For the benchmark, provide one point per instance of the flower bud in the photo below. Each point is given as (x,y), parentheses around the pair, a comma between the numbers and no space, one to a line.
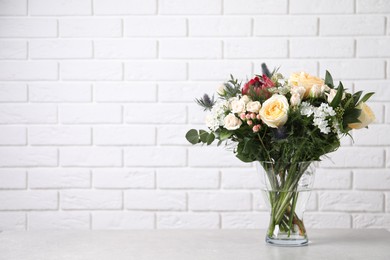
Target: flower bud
(249,122)
(221,90)
(315,91)
(295,100)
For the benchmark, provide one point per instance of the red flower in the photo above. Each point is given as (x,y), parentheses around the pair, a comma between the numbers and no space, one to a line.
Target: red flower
(258,87)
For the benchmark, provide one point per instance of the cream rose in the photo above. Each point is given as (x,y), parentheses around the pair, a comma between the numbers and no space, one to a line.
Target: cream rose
(231,122)
(366,117)
(253,106)
(305,80)
(237,106)
(274,111)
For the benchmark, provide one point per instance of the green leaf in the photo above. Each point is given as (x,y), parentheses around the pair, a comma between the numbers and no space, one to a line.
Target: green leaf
(329,79)
(192,136)
(203,136)
(339,95)
(366,97)
(210,138)
(243,158)
(357,96)
(224,134)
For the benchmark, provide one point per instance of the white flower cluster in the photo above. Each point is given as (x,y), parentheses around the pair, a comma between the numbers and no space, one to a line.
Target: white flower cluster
(215,119)
(320,114)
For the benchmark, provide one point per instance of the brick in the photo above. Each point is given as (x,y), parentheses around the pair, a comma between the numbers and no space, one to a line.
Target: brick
(374,135)
(245,220)
(371,221)
(324,47)
(31,70)
(321,6)
(387,202)
(382,92)
(28,157)
(125,49)
(58,220)
(240,179)
(255,48)
(155,113)
(124,135)
(90,27)
(219,201)
(12,179)
(13,92)
(373,47)
(123,178)
(372,179)
(190,48)
(187,178)
(184,91)
(58,178)
(155,26)
(60,92)
(124,7)
(372,6)
(155,156)
(90,114)
(378,110)
(312,202)
(285,25)
(327,220)
(255,7)
(60,49)
(13,50)
(59,135)
(352,201)
(155,200)
(122,220)
(190,7)
(28,114)
(28,27)
(220,26)
(354,69)
(91,70)
(187,221)
(13,135)
(173,134)
(12,221)
(90,199)
(28,200)
(155,70)
(205,157)
(218,70)
(287,67)
(125,92)
(333,179)
(355,157)
(60,7)
(352,25)
(13,7)
(87,157)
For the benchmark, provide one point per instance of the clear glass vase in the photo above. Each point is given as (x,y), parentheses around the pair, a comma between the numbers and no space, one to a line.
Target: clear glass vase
(286,188)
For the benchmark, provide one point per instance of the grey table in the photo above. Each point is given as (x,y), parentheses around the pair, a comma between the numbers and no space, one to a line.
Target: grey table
(183,245)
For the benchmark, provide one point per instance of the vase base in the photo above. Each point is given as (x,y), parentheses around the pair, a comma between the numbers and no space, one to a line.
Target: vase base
(286,242)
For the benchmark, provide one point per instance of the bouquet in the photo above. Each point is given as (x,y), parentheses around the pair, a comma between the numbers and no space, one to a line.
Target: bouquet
(282,122)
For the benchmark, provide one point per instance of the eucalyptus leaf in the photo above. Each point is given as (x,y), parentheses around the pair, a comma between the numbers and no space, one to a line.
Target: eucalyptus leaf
(329,79)
(210,138)
(203,136)
(192,136)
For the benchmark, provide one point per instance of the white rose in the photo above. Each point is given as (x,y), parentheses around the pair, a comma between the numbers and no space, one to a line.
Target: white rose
(221,90)
(253,106)
(298,90)
(237,106)
(295,99)
(245,98)
(274,111)
(315,91)
(231,122)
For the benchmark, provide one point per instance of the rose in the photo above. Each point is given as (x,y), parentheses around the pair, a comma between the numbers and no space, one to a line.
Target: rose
(295,99)
(366,117)
(274,111)
(305,80)
(298,90)
(231,122)
(237,106)
(253,106)
(245,98)
(315,91)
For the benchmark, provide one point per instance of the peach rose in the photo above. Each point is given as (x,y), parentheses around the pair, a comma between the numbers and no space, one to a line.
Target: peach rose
(305,80)
(366,117)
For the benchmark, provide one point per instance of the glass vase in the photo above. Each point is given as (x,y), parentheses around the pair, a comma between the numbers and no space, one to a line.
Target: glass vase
(286,188)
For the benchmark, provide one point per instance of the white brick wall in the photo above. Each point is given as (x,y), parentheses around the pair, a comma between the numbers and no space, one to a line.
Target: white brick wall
(96,96)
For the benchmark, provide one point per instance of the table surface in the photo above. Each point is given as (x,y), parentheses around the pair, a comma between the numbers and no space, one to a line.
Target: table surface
(190,244)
